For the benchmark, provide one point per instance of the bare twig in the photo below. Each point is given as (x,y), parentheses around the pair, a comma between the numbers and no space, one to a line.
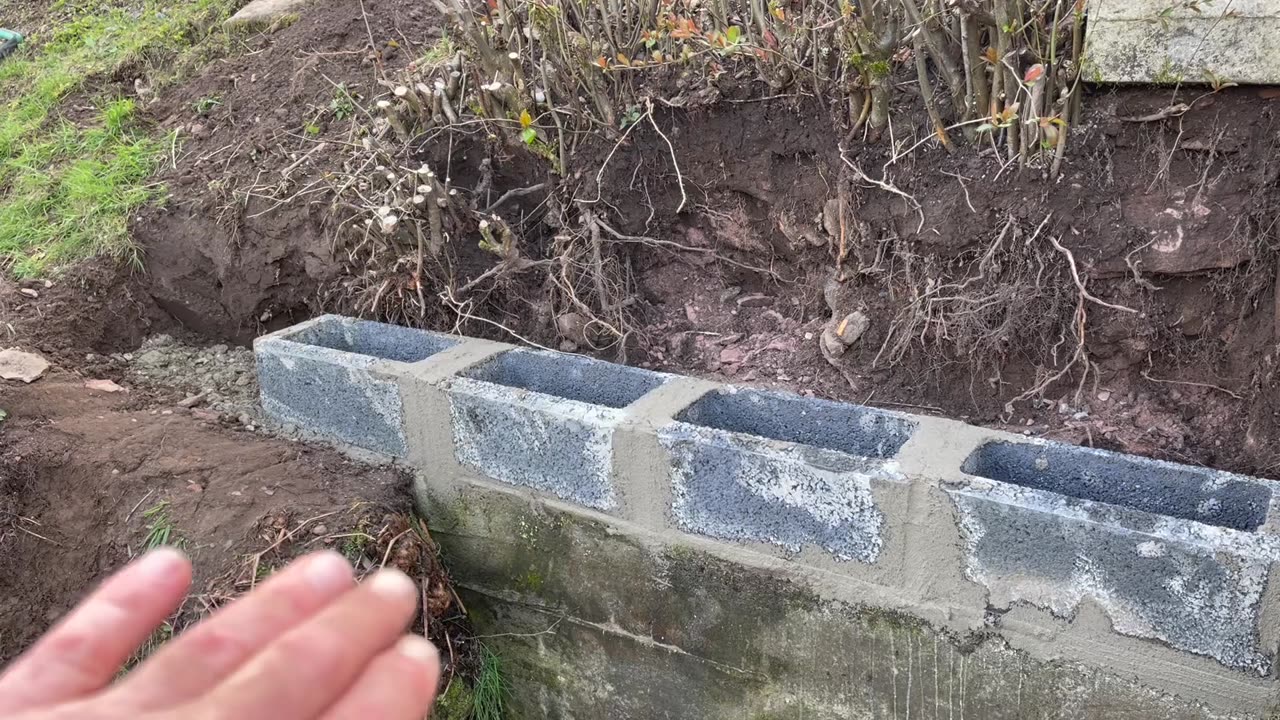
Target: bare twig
(1147,374)
(512,194)
(884,185)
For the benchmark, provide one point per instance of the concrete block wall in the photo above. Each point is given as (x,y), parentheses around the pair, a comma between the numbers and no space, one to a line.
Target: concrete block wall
(1155,571)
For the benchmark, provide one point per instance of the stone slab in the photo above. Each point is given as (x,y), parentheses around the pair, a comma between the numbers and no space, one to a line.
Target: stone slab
(265,13)
(1167,42)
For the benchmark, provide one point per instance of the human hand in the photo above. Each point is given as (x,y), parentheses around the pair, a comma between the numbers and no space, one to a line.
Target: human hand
(308,644)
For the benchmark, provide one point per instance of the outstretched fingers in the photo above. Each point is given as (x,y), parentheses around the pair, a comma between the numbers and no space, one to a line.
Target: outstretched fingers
(306,670)
(204,656)
(400,684)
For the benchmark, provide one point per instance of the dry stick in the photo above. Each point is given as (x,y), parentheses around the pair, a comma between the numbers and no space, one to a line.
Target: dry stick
(128,517)
(257,557)
(688,248)
(1147,374)
(515,193)
(679,178)
(555,117)
(390,546)
(938,51)
(926,93)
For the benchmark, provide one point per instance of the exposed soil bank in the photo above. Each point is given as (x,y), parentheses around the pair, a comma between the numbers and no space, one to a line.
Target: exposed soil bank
(1169,219)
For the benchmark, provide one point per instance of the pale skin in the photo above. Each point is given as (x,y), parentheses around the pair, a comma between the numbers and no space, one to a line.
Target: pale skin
(308,644)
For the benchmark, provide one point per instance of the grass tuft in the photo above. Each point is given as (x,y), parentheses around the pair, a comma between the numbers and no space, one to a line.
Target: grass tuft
(160,531)
(489,695)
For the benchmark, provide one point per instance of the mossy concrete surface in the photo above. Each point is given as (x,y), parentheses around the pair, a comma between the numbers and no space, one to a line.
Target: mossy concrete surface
(673,548)
(1177,42)
(593,621)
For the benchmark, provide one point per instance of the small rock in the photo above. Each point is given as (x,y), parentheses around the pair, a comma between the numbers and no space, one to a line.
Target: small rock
(729,293)
(244,419)
(191,401)
(733,355)
(104,386)
(166,412)
(1105,395)
(24,366)
(755,300)
(199,131)
(115,472)
(852,327)
(242,381)
(206,415)
(319,530)
(218,349)
(29,292)
(830,344)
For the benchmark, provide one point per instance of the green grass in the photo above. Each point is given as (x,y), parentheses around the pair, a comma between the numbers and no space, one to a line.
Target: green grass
(160,530)
(67,189)
(489,695)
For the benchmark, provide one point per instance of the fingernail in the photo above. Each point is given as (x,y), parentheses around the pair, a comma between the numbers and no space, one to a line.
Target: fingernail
(161,563)
(328,573)
(393,585)
(417,648)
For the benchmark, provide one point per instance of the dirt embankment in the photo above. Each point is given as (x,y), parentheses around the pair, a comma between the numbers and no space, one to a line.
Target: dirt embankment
(1130,304)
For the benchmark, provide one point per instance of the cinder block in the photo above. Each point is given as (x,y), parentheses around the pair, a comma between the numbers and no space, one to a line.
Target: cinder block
(545,420)
(751,465)
(1169,552)
(332,377)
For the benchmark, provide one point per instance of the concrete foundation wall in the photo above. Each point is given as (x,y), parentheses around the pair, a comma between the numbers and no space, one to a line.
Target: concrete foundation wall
(649,545)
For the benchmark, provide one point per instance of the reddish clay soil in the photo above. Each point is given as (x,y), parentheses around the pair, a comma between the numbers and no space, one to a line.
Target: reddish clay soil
(79,470)
(86,476)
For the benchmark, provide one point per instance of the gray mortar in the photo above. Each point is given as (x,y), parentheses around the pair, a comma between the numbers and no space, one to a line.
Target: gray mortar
(1179,491)
(1193,586)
